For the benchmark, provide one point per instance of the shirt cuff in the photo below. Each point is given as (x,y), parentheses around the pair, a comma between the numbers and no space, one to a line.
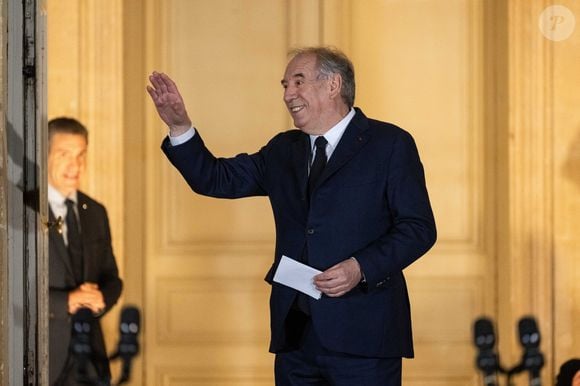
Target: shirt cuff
(182,138)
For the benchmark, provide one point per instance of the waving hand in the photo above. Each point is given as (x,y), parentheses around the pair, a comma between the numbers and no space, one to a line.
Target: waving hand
(169,103)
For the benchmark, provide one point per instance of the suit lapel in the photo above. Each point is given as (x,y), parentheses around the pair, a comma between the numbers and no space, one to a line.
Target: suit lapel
(56,239)
(354,138)
(82,207)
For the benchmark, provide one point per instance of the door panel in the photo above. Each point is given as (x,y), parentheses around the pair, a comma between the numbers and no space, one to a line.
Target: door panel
(206,302)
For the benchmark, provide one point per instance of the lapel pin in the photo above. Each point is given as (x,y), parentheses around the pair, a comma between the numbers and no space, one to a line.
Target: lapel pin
(85,206)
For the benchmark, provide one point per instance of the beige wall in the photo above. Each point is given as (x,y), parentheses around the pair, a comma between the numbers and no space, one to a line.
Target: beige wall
(566,171)
(490,101)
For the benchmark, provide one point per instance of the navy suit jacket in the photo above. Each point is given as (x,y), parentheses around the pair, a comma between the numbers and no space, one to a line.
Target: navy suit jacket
(371,203)
(99,267)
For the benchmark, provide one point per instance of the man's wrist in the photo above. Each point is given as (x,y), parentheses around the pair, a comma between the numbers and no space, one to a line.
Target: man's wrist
(363,278)
(176,131)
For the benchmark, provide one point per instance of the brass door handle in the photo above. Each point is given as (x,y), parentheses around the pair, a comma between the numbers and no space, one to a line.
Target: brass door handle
(58,223)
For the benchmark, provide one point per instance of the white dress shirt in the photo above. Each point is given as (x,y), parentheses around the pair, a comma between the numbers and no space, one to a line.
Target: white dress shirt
(333,136)
(56,201)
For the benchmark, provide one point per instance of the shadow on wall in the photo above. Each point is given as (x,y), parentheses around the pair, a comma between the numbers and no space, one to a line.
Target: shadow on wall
(571,167)
(23,175)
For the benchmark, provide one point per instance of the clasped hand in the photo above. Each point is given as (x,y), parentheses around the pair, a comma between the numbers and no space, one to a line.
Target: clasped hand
(87,295)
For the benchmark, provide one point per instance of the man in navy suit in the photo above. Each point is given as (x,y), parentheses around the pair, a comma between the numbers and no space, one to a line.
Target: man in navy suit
(349,199)
(82,268)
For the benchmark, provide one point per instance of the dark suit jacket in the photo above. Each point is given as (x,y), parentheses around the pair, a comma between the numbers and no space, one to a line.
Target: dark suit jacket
(371,203)
(99,267)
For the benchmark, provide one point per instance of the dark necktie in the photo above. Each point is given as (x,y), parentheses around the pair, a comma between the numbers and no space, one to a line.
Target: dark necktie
(75,245)
(318,164)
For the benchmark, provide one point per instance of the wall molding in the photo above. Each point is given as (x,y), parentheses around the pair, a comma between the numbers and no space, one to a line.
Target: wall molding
(526,273)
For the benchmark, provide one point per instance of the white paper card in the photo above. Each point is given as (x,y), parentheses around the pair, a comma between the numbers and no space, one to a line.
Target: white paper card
(296,275)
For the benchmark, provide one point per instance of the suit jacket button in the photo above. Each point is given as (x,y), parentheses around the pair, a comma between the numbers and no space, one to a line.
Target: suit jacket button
(310,231)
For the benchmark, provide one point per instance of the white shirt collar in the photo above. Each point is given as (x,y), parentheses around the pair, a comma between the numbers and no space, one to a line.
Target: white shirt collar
(58,208)
(57,198)
(334,135)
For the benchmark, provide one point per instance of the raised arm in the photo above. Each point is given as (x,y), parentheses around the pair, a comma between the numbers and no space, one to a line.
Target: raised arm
(169,103)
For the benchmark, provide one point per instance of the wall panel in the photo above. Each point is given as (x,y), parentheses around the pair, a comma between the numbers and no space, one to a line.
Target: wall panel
(420,65)
(205,296)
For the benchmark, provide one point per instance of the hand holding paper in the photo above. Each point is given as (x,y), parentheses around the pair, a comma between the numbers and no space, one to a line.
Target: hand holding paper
(296,275)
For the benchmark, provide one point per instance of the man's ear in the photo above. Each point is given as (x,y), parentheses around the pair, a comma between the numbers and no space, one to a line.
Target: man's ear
(335,85)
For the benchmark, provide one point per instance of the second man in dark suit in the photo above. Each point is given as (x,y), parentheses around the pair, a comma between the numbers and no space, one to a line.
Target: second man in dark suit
(82,268)
(349,199)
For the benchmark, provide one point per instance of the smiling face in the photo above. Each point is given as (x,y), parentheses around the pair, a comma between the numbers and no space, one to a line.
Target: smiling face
(66,161)
(312,98)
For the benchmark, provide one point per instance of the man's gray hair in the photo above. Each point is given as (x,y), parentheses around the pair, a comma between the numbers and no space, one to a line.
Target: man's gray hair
(331,61)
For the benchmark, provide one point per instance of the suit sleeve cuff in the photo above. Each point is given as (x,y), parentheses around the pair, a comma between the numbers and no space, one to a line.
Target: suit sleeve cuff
(182,138)
(363,278)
